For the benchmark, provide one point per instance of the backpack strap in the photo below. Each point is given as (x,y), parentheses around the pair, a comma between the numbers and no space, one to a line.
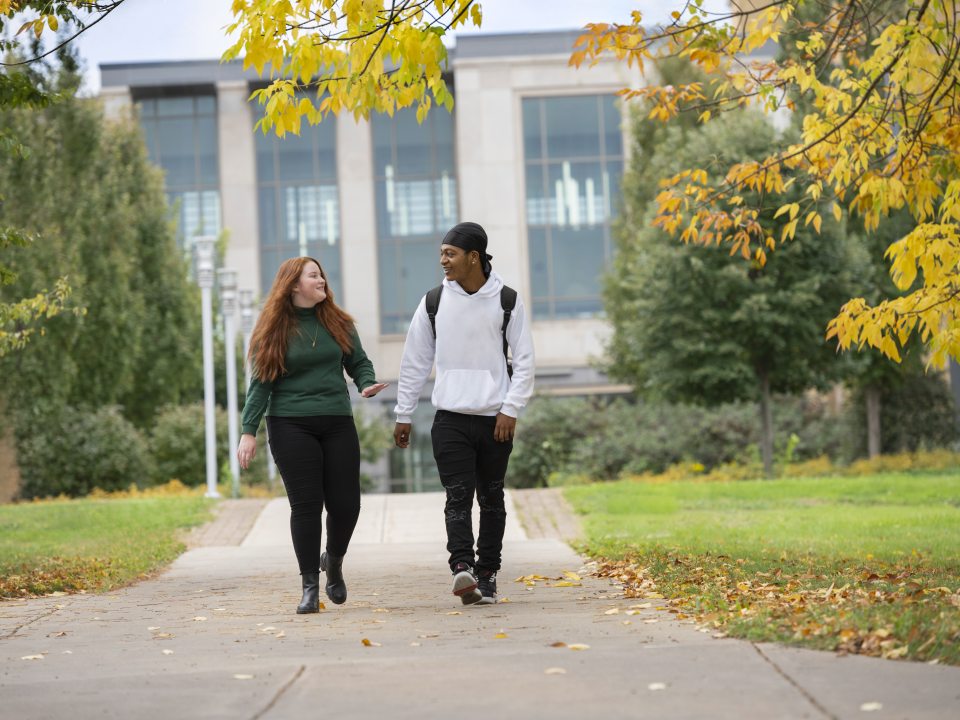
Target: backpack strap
(508,301)
(432,303)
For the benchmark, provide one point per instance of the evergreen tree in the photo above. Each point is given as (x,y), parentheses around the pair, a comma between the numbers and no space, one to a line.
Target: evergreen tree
(693,324)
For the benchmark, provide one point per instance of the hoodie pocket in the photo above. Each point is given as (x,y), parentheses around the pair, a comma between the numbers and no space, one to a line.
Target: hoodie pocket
(468,391)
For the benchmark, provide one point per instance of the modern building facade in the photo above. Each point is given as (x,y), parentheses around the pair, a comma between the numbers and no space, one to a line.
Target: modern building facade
(534,150)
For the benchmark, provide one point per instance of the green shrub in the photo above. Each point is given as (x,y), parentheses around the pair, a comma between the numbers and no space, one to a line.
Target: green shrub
(548,434)
(178,445)
(74,451)
(604,439)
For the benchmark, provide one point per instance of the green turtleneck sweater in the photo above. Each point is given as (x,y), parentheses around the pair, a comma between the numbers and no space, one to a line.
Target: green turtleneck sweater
(314,383)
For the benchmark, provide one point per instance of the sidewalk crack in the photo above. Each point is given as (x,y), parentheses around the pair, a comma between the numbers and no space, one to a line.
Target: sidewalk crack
(280,692)
(809,698)
(32,620)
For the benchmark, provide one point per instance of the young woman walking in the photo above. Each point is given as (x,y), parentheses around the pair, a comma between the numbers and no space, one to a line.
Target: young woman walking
(300,347)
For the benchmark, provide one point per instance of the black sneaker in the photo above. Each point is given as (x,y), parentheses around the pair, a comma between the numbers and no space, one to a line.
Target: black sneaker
(465,584)
(487,585)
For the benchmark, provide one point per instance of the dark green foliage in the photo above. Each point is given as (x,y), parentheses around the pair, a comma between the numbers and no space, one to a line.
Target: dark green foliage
(178,444)
(603,439)
(693,324)
(916,413)
(75,451)
(550,432)
(95,206)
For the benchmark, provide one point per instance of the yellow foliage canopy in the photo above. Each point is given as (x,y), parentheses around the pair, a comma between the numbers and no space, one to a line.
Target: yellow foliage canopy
(357,56)
(882,133)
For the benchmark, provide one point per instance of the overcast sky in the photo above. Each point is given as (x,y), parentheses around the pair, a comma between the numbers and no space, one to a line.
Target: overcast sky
(145,30)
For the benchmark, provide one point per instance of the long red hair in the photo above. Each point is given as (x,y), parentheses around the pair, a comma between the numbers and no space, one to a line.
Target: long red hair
(268,344)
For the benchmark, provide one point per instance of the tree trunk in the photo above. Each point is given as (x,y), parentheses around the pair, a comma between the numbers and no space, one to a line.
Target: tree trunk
(872,398)
(766,424)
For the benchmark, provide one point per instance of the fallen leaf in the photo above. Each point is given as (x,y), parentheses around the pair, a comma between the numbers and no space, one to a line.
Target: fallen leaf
(612,611)
(641,606)
(369,643)
(415,644)
(627,622)
(555,671)
(578,646)
(565,583)
(558,644)
(657,686)
(454,612)
(572,575)
(199,618)
(503,600)
(268,628)
(500,636)
(243,677)
(163,636)
(280,634)
(62,633)
(32,657)
(153,627)
(381,610)
(871,706)
(167,652)
(648,621)
(321,606)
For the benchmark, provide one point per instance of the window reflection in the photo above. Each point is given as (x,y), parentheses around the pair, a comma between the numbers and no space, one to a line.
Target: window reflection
(573,150)
(181,137)
(299,206)
(416,200)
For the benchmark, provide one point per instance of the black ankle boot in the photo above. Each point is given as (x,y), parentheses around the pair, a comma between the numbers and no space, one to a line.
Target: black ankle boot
(310,603)
(336,588)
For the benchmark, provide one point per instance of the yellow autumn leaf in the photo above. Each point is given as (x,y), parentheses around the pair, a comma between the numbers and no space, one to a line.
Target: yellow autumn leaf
(366,642)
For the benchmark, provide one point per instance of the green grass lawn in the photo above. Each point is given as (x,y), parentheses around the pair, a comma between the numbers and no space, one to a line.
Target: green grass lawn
(90,544)
(856,564)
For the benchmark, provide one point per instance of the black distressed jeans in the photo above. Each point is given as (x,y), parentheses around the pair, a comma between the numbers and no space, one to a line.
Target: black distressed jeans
(471,463)
(319,460)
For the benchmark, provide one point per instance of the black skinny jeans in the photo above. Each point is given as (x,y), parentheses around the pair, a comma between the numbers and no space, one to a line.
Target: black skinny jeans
(319,461)
(471,462)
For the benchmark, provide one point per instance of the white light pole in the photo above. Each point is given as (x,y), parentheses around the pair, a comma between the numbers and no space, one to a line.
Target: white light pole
(203,257)
(227,281)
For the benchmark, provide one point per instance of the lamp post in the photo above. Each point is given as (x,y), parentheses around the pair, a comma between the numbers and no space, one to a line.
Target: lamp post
(227,281)
(203,257)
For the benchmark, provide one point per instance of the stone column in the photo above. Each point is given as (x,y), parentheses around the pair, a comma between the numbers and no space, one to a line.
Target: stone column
(238,182)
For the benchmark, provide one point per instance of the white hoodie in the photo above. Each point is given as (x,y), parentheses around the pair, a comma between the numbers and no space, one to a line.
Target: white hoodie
(471,371)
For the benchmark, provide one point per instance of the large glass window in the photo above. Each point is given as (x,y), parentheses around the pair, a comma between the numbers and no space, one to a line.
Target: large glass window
(416,195)
(573,158)
(299,207)
(181,136)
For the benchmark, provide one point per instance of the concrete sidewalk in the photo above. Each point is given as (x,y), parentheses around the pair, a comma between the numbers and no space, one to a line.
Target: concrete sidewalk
(215,636)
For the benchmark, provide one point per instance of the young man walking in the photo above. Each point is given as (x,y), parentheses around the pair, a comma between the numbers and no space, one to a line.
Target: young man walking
(466,326)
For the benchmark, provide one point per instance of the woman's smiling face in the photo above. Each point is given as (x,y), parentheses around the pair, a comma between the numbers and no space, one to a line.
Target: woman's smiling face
(311,288)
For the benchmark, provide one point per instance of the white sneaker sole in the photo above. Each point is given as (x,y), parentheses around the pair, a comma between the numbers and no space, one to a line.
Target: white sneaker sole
(465,588)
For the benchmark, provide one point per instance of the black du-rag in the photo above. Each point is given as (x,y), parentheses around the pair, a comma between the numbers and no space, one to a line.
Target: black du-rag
(470,236)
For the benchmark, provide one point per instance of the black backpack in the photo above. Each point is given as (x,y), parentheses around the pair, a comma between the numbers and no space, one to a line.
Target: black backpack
(508,301)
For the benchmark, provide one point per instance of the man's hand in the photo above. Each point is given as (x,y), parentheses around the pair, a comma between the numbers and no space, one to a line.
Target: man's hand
(505,427)
(401,435)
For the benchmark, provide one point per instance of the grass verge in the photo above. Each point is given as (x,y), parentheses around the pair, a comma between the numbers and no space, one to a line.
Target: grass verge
(91,544)
(867,565)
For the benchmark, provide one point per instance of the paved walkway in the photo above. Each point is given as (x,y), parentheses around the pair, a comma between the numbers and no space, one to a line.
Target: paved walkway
(215,637)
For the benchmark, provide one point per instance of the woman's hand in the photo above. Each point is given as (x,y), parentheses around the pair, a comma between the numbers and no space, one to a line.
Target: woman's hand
(371,390)
(246,450)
